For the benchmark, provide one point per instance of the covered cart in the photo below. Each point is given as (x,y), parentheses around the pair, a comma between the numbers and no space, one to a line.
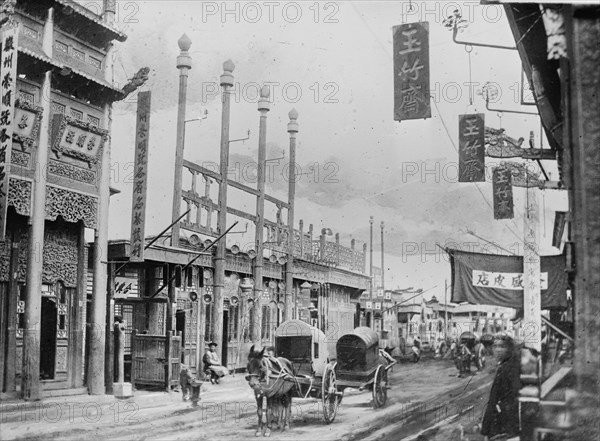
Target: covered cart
(306,348)
(360,365)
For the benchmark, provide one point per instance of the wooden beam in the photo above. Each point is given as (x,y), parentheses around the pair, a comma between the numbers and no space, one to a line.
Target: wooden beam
(542,154)
(551,185)
(217,177)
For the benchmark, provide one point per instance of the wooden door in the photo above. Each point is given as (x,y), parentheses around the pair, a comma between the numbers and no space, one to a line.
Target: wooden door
(155,359)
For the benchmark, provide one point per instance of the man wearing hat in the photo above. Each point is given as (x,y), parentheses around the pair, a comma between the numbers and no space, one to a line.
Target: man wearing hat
(212,364)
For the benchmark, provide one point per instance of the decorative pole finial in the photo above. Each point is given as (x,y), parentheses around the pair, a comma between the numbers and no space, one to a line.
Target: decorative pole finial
(293,124)
(263,102)
(227,77)
(184,61)
(184,43)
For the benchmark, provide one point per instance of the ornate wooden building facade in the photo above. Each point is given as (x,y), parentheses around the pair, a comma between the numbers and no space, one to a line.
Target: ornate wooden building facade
(56,99)
(325,293)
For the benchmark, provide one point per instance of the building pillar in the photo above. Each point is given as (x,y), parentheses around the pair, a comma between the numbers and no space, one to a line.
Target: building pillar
(263,108)
(582,140)
(221,247)
(290,306)
(30,379)
(97,322)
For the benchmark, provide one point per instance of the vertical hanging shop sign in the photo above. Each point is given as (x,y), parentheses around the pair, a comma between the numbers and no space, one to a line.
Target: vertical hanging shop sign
(411,71)
(471,148)
(503,196)
(8,65)
(140,178)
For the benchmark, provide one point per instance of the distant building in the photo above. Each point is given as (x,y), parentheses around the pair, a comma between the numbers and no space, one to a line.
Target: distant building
(405,320)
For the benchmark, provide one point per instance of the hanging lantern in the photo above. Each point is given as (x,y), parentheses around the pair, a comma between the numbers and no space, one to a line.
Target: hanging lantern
(246,285)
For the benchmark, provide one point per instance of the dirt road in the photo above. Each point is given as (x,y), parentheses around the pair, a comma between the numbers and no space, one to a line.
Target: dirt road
(422,402)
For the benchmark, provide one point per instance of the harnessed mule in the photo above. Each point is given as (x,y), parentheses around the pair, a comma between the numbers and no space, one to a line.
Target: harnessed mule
(271,379)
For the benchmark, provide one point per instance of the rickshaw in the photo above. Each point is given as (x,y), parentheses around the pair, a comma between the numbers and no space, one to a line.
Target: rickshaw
(306,348)
(360,365)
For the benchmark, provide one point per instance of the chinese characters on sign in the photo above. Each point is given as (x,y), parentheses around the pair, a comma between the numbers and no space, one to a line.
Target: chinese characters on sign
(532,298)
(471,148)
(411,71)
(138,210)
(503,196)
(8,64)
(77,139)
(512,281)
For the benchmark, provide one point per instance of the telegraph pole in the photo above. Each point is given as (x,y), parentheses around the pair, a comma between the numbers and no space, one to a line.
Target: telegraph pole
(382,262)
(290,303)
(219,277)
(445,309)
(371,314)
(263,108)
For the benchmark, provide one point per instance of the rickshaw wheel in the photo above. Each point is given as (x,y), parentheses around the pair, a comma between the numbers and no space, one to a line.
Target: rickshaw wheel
(380,387)
(330,394)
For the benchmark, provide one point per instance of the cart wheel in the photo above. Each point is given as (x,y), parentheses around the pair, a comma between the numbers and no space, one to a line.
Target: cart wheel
(380,387)
(330,394)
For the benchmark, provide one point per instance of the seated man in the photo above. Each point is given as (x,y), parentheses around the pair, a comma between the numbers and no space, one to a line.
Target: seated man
(212,364)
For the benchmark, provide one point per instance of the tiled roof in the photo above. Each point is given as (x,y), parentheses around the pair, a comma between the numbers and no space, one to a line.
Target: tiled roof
(85,12)
(54,63)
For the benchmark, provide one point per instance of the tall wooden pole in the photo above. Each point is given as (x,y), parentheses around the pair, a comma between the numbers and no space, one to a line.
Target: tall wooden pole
(219,276)
(382,261)
(290,304)
(263,108)
(184,64)
(445,309)
(371,314)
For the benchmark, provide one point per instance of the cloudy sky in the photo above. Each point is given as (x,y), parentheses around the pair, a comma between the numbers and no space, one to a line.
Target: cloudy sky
(333,62)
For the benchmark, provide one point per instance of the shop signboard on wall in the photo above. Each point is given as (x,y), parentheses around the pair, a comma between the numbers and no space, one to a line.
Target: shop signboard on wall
(8,63)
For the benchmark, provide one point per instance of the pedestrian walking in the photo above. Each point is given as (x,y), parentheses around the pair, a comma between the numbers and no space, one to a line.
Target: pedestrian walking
(416,348)
(501,418)
(463,359)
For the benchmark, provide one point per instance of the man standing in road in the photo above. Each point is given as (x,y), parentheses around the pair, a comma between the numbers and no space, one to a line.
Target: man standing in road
(501,419)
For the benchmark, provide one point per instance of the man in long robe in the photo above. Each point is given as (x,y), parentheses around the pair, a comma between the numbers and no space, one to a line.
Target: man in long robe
(501,419)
